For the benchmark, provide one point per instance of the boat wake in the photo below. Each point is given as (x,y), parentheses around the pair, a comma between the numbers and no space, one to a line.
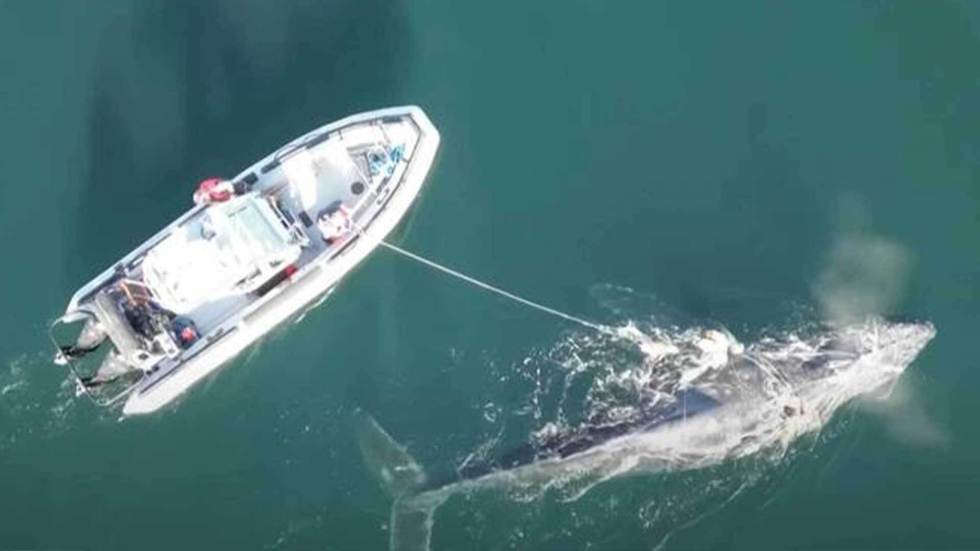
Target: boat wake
(25,411)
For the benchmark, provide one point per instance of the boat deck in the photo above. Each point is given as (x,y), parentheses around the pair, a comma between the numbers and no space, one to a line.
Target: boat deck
(355,167)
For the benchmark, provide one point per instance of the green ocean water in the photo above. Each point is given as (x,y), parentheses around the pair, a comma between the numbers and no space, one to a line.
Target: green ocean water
(688,161)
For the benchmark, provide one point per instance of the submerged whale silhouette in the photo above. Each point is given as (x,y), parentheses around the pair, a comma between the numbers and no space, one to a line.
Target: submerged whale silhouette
(739,400)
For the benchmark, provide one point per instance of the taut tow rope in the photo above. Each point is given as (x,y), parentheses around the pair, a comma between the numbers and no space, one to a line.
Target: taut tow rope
(494,289)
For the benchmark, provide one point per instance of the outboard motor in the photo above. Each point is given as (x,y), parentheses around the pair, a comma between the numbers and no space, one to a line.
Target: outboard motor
(89,340)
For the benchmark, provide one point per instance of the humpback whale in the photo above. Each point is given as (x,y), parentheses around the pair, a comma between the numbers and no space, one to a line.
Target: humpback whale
(713,399)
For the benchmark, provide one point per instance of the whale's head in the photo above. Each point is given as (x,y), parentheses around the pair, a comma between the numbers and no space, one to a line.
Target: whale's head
(860,360)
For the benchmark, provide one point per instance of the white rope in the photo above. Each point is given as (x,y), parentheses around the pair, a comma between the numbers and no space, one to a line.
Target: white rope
(493,289)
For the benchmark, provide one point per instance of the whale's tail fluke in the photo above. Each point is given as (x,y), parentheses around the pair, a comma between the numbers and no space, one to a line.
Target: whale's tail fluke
(388,461)
(401,477)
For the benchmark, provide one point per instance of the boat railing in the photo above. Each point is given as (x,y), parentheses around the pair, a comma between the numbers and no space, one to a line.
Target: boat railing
(289,222)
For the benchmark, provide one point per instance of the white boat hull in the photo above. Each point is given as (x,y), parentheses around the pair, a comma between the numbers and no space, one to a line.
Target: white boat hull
(305,289)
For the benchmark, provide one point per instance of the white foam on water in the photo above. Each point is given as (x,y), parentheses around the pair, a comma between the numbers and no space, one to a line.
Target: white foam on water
(26,404)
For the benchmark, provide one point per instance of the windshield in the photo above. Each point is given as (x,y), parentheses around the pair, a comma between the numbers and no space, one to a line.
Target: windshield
(227,250)
(253,234)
